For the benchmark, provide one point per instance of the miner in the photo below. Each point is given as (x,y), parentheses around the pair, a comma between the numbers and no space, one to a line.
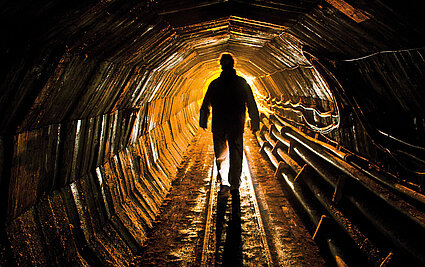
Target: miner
(229,96)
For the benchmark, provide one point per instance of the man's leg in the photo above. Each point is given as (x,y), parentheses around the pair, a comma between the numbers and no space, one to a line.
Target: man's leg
(236,153)
(221,152)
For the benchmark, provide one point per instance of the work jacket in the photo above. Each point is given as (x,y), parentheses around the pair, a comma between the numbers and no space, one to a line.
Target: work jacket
(229,95)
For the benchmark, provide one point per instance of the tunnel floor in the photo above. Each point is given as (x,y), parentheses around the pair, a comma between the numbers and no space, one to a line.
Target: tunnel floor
(199,227)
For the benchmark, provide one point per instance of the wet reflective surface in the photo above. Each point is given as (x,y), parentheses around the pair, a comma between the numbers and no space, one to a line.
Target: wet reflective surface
(201,227)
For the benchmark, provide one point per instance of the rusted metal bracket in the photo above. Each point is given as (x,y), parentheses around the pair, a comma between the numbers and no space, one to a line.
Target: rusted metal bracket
(304,170)
(339,189)
(387,260)
(278,144)
(291,151)
(264,129)
(263,147)
(282,166)
(321,227)
(272,136)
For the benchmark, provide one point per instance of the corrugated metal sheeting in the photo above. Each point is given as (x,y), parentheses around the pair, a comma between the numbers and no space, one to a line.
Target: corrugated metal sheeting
(100,99)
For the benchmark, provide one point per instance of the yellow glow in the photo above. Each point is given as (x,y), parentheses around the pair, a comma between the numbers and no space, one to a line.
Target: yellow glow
(250,81)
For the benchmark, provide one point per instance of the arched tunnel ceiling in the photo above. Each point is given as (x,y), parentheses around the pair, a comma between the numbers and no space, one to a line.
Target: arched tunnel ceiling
(153,49)
(86,59)
(139,44)
(94,58)
(92,87)
(181,13)
(112,28)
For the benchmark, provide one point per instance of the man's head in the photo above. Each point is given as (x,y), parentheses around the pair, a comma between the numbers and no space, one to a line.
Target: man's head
(227,61)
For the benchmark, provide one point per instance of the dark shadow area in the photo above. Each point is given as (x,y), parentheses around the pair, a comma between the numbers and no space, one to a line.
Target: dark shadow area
(229,254)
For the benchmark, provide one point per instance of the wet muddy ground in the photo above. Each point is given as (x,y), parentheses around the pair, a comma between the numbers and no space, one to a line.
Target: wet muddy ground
(199,227)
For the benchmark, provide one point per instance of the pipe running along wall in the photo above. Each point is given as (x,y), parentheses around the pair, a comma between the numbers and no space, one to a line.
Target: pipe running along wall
(99,102)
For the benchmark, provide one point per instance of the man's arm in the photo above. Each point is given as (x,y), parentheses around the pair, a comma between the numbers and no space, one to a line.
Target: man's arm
(204,112)
(252,110)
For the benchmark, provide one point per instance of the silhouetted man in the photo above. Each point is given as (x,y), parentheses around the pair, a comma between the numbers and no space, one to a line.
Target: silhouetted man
(229,96)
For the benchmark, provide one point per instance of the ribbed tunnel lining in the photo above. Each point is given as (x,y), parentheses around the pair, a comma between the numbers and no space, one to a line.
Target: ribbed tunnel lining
(115,79)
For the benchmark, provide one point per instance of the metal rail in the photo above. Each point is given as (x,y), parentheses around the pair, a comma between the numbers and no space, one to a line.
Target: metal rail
(258,214)
(211,248)
(209,222)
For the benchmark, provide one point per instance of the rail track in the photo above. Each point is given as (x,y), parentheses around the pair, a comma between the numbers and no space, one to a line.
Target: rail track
(216,236)
(199,227)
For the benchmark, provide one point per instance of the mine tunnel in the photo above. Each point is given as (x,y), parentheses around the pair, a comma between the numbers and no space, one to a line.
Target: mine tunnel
(103,163)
